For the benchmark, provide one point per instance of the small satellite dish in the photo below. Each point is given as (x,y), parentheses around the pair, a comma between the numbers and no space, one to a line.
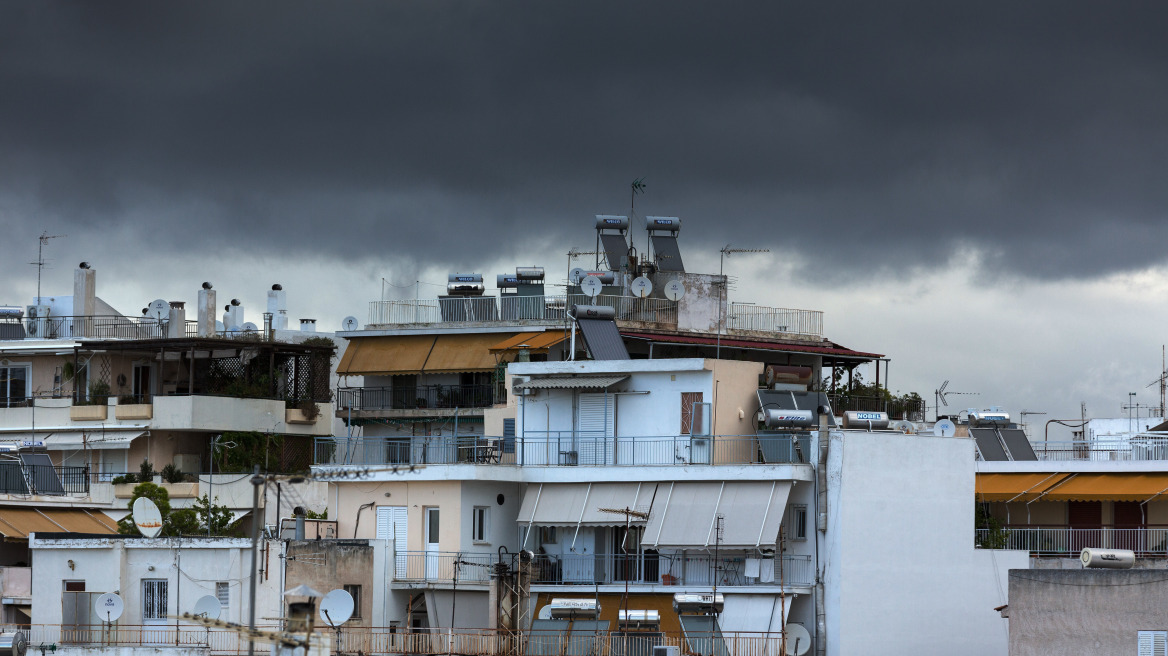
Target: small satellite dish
(575,276)
(147,518)
(13,643)
(218,326)
(591,286)
(233,329)
(209,607)
(641,287)
(944,428)
(674,290)
(350,323)
(249,327)
(903,426)
(158,309)
(798,640)
(336,608)
(109,606)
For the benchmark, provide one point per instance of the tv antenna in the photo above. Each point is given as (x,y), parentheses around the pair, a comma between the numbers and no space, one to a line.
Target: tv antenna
(637,187)
(40,261)
(726,251)
(939,395)
(630,515)
(1162,380)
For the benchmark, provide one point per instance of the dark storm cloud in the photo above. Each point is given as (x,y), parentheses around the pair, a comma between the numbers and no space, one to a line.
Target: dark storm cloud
(899,133)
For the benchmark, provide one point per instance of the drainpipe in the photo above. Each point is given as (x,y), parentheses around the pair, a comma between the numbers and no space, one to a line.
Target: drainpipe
(821,526)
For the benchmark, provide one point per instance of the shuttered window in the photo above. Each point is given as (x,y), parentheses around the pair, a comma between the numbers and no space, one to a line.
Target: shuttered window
(391,525)
(508,436)
(154,599)
(223,594)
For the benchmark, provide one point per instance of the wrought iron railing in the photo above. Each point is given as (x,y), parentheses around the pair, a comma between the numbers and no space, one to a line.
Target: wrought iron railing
(518,308)
(1139,447)
(912,409)
(421,397)
(1066,541)
(45,480)
(95,327)
(748,316)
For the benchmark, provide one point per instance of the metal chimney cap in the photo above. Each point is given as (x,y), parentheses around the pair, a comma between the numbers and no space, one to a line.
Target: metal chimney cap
(277,287)
(206,285)
(83,265)
(235,301)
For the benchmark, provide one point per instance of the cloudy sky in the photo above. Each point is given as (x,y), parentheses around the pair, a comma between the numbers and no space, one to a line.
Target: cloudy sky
(974,190)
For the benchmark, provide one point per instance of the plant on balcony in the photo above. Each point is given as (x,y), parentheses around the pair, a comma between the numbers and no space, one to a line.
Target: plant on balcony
(99,393)
(171,474)
(127,399)
(180,521)
(855,394)
(124,478)
(307,406)
(995,536)
(319,341)
(219,517)
(273,453)
(146,472)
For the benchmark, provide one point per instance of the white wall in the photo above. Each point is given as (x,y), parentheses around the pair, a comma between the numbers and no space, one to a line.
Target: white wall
(902,576)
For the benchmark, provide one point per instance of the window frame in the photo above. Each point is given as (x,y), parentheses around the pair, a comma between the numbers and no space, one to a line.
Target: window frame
(223,594)
(797,522)
(156,611)
(480,524)
(6,399)
(354,591)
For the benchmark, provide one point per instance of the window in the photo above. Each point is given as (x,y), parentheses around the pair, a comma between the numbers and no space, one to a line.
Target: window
(14,380)
(432,525)
(797,523)
(1153,643)
(355,592)
(688,399)
(154,599)
(74,586)
(479,518)
(547,534)
(223,594)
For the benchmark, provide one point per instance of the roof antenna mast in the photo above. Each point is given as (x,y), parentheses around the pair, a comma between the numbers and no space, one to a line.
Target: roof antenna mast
(40,261)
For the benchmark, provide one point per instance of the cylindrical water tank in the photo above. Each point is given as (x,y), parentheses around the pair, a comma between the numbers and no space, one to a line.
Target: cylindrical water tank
(864,419)
(1108,558)
(529,273)
(776,418)
(663,223)
(506,281)
(606,277)
(611,222)
(593,312)
(791,374)
(11,311)
(465,277)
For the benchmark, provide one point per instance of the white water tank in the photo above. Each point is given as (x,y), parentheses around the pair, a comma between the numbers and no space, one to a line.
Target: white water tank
(1108,558)
(866,420)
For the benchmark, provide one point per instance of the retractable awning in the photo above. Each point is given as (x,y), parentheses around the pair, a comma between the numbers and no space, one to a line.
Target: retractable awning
(17,523)
(685,514)
(572,504)
(531,341)
(386,356)
(1110,487)
(1015,487)
(91,439)
(457,353)
(572,382)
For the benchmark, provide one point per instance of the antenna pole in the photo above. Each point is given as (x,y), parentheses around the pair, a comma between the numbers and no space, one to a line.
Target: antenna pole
(40,263)
(256,482)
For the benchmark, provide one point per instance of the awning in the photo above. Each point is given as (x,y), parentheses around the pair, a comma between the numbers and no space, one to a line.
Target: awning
(462,352)
(91,439)
(1109,487)
(581,504)
(833,350)
(386,356)
(531,341)
(684,514)
(1015,487)
(17,523)
(572,382)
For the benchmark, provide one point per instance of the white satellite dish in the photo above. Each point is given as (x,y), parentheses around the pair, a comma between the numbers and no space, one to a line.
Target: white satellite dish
(575,276)
(349,323)
(903,426)
(218,326)
(674,290)
(591,286)
(233,329)
(158,309)
(249,327)
(209,607)
(147,518)
(798,640)
(108,607)
(944,428)
(641,287)
(336,608)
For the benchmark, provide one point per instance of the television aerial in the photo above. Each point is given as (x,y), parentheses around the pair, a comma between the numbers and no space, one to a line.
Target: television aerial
(109,606)
(209,607)
(798,640)
(591,286)
(158,309)
(939,395)
(147,518)
(674,290)
(641,287)
(349,324)
(336,608)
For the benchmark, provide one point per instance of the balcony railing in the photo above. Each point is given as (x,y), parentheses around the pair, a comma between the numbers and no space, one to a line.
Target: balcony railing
(1140,447)
(95,327)
(44,480)
(1147,541)
(410,398)
(566,450)
(911,410)
(517,308)
(759,318)
(589,569)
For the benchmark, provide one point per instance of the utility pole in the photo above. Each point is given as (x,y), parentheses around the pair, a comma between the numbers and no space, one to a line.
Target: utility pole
(256,520)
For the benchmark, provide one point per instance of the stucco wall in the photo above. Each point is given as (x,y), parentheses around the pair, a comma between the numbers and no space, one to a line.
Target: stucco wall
(326,565)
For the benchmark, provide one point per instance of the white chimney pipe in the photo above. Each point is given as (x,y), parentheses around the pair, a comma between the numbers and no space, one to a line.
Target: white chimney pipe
(84,298)
(278,307)
(308,325)
(207,311)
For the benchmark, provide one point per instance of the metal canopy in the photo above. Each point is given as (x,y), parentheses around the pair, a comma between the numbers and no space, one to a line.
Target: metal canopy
(573,382)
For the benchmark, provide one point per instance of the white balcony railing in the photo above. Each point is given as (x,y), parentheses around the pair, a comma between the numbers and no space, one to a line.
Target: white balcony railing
(1065,541)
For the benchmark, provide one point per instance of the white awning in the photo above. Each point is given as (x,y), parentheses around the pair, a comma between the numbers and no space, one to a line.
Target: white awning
(66,440)
(571,504)
(684,514)
(573,382)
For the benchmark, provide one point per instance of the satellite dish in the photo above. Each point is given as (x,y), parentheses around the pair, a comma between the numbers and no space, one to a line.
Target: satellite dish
(209,607)
(798,640)
(249,327)
(147,518)
(350,323)
(944,428)
(641,287)
(109,606)
(13,643)
(336,608)
(218,326)
(158,309)
(575,276)
(591,286)
(903,426)
(674,290)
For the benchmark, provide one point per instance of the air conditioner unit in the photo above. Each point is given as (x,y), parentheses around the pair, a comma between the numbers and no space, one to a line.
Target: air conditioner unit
(36,321)
(520,390)
(666,650)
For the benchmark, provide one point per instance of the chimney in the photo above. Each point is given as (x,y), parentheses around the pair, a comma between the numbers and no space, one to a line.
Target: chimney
(206,311)
(308,325)
(84,298)
(176,328)
(278,307)
(232,315)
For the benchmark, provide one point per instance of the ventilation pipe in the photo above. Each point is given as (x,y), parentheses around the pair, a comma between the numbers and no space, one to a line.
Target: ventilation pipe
(278,307)
(176,328)
(308,325)
(299,513)
(84,298)
(206,311)
(232,315)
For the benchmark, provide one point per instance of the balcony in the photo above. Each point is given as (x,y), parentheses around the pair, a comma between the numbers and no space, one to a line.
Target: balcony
(590,569)
(896,409)
(21,478)
(414,398)
(535,310)
(763,319)
(1068,542)
(566,450)
(1136,448)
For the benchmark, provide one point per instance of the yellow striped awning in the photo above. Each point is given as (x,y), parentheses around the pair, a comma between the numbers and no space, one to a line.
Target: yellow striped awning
(531,341)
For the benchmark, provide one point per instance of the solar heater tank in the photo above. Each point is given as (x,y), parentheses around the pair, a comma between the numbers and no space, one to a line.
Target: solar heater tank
(465,284)
(779,418)
(663,223)
(506,281)
(594,312)
(606,277)
(865,420)
(612,222)
(529,273)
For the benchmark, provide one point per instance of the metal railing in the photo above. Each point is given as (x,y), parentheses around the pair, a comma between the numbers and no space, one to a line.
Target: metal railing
(1147,541)
(445,566)
(95,327)
(672,569)
(409,398)
(518,308)
(913,410)
(44,480)
(1139,447)
(565,450)
(748,316)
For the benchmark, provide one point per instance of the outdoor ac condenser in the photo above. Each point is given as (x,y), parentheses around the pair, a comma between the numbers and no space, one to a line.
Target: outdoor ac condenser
(663,650)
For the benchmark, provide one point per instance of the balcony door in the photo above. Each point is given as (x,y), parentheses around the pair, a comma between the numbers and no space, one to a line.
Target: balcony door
(1086,521)
(432,560)
(392,525)
(1130,531)
(143,383)
(595,426)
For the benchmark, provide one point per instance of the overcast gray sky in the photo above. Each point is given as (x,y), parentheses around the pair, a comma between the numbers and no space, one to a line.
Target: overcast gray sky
(975,190)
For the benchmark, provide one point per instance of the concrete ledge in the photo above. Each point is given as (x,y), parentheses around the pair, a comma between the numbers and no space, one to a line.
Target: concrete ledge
(89,412)
(134,411)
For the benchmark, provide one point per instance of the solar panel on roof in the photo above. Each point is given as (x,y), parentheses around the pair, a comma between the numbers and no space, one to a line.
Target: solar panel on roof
(1018,444)
(42,474)
(616,250)
(702,635)
(988,444)
(12,479)
(668,256)
(603,339)
(546,637)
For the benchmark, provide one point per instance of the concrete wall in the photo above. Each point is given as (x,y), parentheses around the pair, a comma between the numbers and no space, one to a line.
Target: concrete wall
(326,565)
(902,576)
(1078,611)
(736,390)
